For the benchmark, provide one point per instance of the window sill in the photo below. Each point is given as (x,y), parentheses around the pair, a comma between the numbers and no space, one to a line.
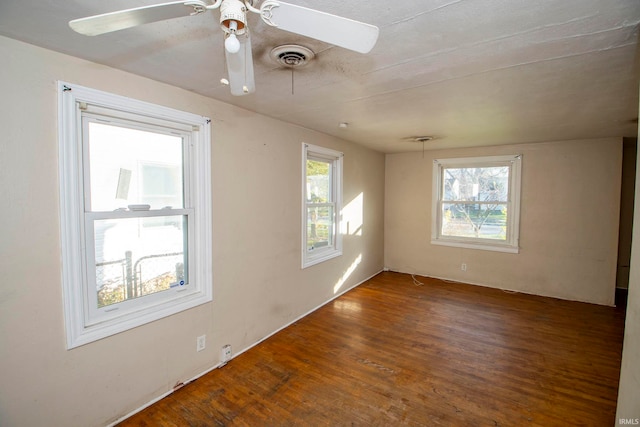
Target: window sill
(481,246)
(318,258)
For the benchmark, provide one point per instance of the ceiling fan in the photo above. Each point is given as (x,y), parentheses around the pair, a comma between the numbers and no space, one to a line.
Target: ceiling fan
(336,30)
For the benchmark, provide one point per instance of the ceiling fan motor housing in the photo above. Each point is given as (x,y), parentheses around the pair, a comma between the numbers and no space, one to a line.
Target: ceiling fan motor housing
(233,10)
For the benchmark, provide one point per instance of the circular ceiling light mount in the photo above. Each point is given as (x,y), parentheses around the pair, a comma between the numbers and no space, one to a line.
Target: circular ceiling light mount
(292,55)
(424,138)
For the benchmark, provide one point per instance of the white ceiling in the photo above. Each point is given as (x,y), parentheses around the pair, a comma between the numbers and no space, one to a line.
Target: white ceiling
(469,72)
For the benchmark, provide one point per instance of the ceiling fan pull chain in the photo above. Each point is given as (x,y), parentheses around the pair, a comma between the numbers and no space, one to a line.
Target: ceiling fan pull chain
(245,88)
(225,80)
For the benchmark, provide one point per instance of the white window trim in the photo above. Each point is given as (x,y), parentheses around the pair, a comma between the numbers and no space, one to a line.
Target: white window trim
(512,242)
(72,215)
(323,254)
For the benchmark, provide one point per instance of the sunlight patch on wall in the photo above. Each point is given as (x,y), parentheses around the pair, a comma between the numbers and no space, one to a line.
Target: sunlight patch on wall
(352,216)
(347,273)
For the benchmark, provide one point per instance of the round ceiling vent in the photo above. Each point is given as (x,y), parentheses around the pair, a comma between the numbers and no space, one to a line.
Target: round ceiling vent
(292,55)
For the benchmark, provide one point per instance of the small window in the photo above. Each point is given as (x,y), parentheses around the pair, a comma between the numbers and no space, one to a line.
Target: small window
(135,212)
(322,199)
(476,202)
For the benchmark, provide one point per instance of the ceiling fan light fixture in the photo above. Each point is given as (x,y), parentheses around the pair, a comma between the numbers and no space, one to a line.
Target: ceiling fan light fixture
(315,24)
(240,68)
(233,17)
(231,43)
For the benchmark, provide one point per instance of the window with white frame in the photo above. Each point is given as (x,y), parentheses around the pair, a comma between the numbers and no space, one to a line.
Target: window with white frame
(476,202)
(135,207)
(322,202)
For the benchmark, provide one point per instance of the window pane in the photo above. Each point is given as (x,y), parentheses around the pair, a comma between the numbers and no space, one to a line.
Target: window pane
(129,166)
(487,184)
(139,256)
(319,181)
(319,227)
(485,221)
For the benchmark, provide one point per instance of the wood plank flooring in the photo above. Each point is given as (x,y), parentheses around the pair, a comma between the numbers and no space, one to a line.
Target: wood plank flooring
(393,353)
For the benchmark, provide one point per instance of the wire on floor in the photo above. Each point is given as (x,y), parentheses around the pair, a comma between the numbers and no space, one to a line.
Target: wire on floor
(416,281)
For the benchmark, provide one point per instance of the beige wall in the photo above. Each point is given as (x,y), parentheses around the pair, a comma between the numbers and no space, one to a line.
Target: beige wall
(258,284)
(627,197)
(568,225)
(628,393)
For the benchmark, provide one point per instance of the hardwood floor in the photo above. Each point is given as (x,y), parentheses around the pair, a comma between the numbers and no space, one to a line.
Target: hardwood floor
(393,353)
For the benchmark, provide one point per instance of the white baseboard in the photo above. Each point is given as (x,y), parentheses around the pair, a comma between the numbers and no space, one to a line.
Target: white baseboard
(519,291)
(162,396)
(308,313)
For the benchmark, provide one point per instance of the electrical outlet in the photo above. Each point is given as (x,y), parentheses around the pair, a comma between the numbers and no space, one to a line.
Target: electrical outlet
(225,353)
(201,342)
(463,267)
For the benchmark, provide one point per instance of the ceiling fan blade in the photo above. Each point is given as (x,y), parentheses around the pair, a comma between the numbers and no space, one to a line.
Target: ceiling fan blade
(240,68)
(339,31)
(114,21)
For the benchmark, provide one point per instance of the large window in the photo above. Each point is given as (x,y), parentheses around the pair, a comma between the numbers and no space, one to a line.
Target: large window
(322,198)
(135,212)
(476,202)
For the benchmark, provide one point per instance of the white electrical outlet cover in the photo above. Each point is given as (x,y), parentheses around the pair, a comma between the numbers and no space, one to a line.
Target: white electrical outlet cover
(201,342)
(226,353)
